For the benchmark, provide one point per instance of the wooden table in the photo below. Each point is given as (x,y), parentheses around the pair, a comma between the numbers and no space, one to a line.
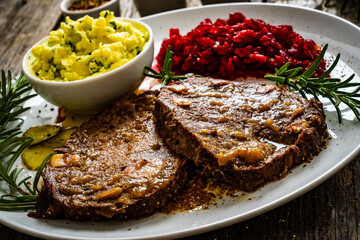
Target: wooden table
(330,211)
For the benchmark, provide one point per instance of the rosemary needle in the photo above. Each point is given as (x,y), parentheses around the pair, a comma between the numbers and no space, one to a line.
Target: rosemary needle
(166,75)
(324,85)
(13,93)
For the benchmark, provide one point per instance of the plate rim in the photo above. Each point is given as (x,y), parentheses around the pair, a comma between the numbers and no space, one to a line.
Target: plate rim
(251,4)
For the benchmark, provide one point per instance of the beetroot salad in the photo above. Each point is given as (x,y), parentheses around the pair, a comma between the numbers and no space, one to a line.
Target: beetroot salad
(238,47)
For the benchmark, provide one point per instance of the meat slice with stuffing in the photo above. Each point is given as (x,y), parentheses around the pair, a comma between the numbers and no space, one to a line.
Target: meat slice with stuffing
(114,166)
(251,133)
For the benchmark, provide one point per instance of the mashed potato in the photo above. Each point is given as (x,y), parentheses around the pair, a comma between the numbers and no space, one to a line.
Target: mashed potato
(87,47)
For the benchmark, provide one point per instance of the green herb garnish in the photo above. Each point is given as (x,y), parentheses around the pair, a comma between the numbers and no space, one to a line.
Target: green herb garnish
(319,86)
(107,12)
(114,25)
(22,194)
(166,75)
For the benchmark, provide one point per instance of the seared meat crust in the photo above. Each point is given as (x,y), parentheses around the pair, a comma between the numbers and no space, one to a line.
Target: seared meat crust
(114,166)
(250,133)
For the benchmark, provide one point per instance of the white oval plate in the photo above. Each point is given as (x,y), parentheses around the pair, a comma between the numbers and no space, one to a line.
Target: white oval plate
(341,35)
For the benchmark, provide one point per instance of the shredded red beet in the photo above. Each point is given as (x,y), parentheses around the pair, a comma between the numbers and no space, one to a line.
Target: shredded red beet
(238,47)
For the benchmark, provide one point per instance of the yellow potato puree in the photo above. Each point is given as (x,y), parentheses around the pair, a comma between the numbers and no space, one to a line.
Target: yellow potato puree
(87,47)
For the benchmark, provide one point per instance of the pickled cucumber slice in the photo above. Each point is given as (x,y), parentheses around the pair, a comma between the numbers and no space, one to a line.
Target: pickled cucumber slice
(33,156)
(42,133)
(59,140)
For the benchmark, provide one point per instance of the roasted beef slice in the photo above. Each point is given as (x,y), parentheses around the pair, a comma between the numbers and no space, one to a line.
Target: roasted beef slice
(251,133)
(114,166)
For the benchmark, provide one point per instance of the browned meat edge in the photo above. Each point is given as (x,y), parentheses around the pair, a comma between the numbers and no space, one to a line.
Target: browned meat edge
(309,142)
(51,203)
(49,207)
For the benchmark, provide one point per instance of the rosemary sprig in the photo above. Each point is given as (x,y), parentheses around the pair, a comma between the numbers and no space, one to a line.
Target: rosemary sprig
(166,75)
(13,93)
(324,86)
